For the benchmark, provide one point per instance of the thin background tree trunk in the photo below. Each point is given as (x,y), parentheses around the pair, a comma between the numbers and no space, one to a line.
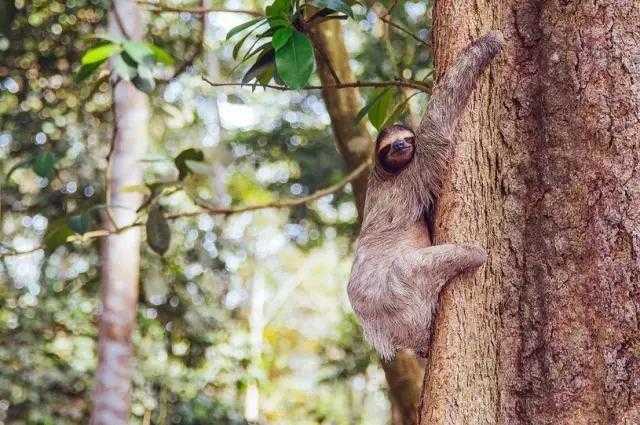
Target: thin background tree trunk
(121,252)
(404,373)
(547,178)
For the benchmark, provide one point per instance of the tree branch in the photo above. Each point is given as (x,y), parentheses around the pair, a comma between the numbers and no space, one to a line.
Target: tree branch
(198,50)
(283,203)
(402,29)
(208,209)
(201,10)
(417,85)
(159,7)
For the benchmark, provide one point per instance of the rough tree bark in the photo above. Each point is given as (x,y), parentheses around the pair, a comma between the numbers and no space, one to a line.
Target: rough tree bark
(547,178)
(121,252)
(404,374)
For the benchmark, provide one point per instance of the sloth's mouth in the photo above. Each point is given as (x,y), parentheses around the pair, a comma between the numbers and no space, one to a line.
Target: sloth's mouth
(400,151)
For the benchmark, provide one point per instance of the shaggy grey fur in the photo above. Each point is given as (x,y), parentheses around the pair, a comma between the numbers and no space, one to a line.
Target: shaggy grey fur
(396,276)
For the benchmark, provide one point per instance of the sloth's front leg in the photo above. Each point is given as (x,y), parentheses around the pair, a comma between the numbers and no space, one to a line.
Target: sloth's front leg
(432,267)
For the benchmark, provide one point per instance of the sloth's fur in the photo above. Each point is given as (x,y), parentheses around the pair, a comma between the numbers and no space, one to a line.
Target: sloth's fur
(397,276)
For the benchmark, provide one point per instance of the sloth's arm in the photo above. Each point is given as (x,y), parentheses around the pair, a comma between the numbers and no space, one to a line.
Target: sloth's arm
(434,136)
(434,266)
(452,92)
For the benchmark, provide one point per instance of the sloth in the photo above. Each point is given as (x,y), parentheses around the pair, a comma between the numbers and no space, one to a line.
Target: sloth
(397,275)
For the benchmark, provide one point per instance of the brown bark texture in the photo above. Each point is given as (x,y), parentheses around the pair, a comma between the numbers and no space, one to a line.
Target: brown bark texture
(353,141)
(120,260)
(547,178)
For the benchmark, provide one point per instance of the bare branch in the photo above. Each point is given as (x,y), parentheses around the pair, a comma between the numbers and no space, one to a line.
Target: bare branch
(198,50)
(417,85)
(160,8)
(208,209)
(389,22)
(283,203)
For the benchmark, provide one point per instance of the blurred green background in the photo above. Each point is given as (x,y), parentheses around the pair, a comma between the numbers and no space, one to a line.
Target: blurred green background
(246,315)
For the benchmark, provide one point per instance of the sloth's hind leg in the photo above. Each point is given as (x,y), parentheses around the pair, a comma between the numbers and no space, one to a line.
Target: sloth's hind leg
(430,268)
(450,260)
(414,282)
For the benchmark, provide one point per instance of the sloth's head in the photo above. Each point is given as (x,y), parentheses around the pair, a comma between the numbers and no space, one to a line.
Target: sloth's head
(395,147)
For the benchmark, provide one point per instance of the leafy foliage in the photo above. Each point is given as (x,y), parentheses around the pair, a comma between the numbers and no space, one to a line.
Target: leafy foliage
(57,233)
(79,223)
(194,360)
(158,231)
(294,60)
(133,61)
(181,161)
(381,107)
(335,6)
(288,55)
(43,164)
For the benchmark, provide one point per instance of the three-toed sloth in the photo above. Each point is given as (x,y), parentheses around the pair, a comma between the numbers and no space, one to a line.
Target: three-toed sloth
(397,276)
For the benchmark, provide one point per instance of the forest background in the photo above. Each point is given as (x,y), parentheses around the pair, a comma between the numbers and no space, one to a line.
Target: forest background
(244,316)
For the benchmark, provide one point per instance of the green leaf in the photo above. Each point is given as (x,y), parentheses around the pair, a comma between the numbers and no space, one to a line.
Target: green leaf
(294,60)
(160,55)
(123,69)
(278,23)
(139,52)
(79,223)
(252,52)
(85,71)
(180,161)
(128,59)
(158,231)
(365,110)
(337,5)
(144,80)
(44,163)
(145,85)
(380,110)
(279,9)
(281,36)
(238,45)
(106,37)
(249,51)
(266,33)
(56,235)
(100,53)
(199,167)
(265,76)
(397,113)
(265,60)
(235,30)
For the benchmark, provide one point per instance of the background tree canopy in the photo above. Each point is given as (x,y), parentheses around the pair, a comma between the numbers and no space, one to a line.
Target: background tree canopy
(240,316)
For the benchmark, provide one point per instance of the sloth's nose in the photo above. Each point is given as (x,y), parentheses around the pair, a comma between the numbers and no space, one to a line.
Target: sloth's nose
(399,145)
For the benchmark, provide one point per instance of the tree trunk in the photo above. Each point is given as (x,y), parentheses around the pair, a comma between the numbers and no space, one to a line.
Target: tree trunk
(547,178)
(404,373)
(121,252)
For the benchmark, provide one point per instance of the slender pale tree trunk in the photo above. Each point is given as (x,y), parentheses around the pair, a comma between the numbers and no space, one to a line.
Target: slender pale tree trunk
(256,338)
(548,179)
(404,374)
(121,252)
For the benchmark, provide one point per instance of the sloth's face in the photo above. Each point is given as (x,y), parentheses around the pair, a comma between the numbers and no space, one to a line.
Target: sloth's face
(395,148)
